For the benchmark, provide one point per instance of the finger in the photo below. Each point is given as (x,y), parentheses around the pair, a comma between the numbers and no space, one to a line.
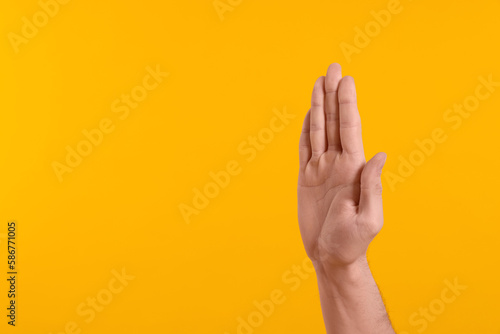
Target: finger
(350,122)
(305,143)
(370,199)
(333,76)
(317,126)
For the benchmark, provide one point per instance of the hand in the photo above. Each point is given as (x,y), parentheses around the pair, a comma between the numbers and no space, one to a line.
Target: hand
(339,193)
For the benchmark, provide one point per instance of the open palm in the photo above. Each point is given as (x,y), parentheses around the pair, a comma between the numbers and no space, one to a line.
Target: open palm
(339,193)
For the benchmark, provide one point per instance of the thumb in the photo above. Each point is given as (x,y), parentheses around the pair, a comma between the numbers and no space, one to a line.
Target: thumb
(370,201)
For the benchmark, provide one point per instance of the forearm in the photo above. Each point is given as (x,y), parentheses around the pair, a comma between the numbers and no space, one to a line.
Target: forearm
(350,300)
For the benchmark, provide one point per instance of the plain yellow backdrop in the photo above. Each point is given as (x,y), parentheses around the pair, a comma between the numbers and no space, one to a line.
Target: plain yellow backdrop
(229,74)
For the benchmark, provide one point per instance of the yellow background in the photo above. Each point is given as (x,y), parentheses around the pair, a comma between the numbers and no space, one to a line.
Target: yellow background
(120,207)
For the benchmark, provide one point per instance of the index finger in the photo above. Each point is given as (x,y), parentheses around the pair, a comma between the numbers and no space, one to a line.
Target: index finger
(349,119)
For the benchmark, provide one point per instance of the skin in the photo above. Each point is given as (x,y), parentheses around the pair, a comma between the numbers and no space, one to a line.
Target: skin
(340,207)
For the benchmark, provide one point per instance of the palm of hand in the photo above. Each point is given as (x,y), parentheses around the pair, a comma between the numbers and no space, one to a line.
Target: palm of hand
(339,194)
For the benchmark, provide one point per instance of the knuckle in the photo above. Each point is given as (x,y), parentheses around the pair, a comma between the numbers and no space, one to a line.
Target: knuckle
(316,127)
(350,124)
(377,189)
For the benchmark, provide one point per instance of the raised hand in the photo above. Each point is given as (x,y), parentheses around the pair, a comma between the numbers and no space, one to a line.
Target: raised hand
(339,193)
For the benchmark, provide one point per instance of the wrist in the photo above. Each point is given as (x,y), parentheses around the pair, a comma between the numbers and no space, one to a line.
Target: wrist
(333,278)
(331,268)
